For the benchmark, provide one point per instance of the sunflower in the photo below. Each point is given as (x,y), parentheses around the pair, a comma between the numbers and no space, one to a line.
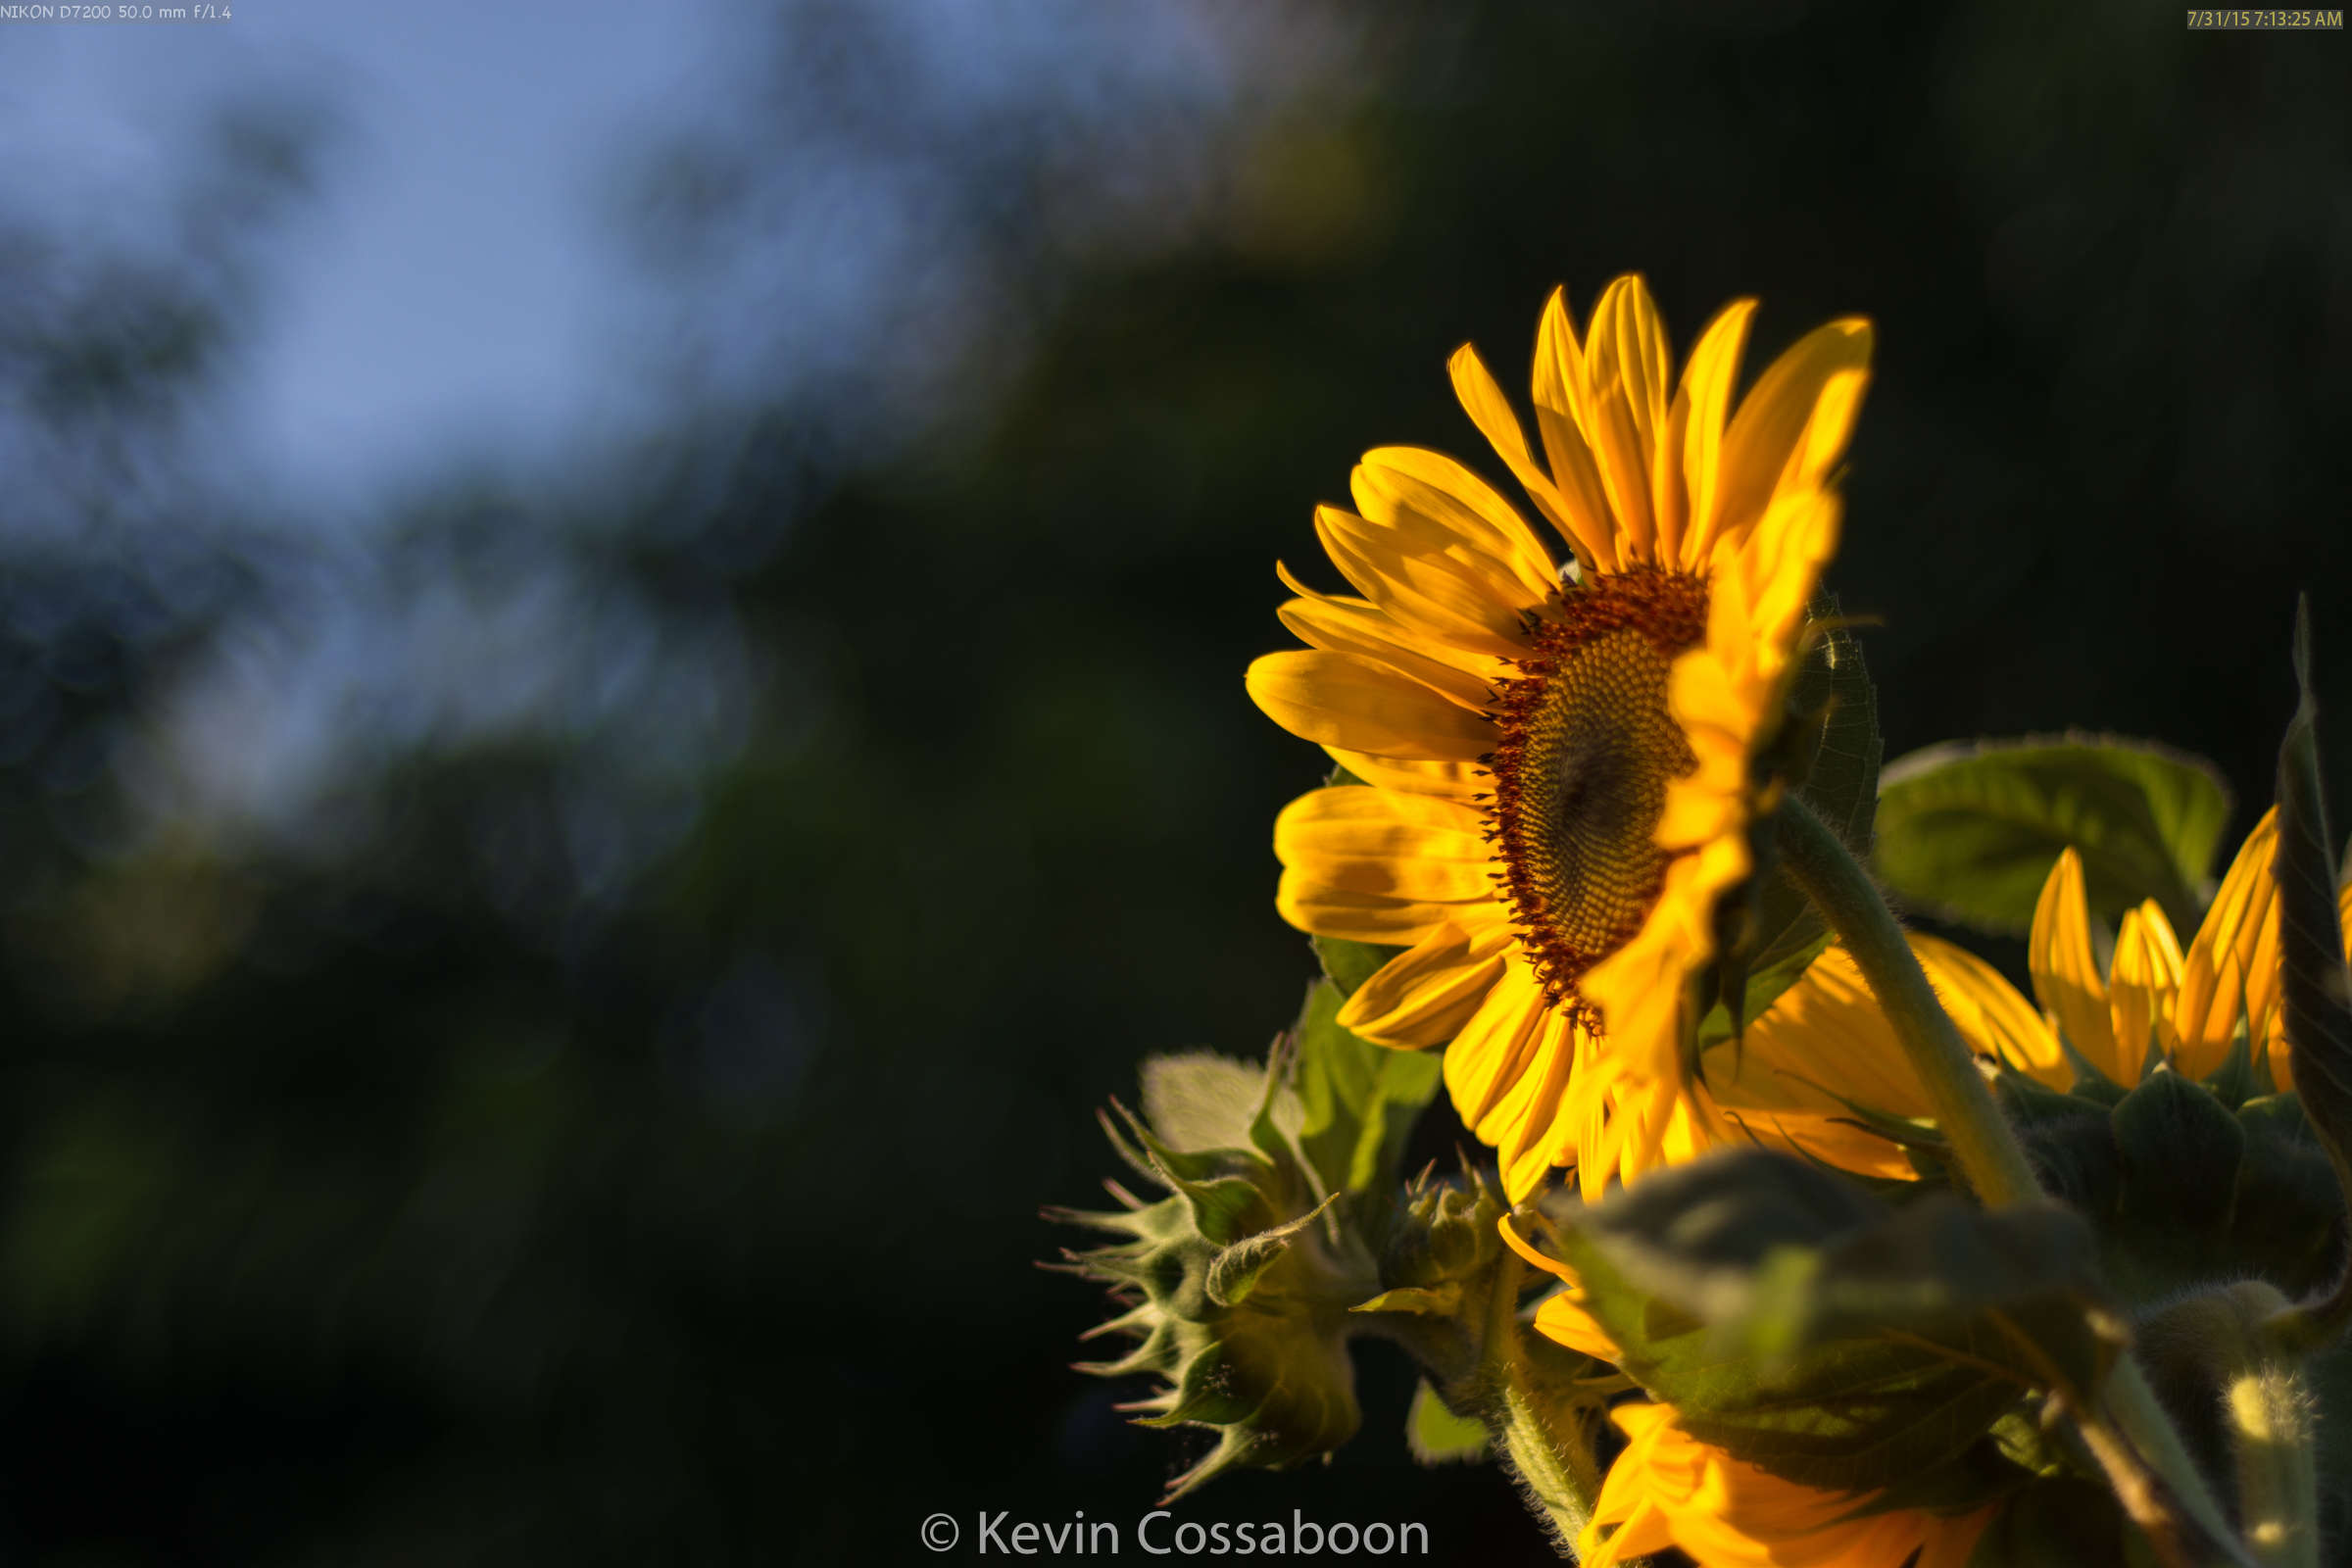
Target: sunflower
(1669,1489)
(2153,1001)
(2156,1002)
(1555,753)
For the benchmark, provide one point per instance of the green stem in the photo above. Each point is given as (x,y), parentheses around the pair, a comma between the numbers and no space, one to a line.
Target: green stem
(2230,1335)
(1989,1153)
(1558,1471)
(2140,1417)
(2269,1411)
(1980,1137)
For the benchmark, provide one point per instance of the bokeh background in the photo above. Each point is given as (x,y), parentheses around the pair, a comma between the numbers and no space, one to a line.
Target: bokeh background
(621,633)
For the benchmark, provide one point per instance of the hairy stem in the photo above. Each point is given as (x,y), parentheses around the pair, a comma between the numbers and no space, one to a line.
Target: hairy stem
(1988,1151)
(2231,1336)
(1556,1469)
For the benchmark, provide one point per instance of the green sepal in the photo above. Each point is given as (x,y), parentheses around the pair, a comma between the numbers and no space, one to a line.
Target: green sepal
(2184,1190)
(2090,1081)
(1813,1331)
(1226,1188)
(2069,1140)
(2287,1216)
(2232,1081)
(2180,1149)
(1234,1272)
(1969,831)
(1440,1300)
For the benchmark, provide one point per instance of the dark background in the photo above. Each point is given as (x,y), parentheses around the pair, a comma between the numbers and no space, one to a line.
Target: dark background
(573,1143)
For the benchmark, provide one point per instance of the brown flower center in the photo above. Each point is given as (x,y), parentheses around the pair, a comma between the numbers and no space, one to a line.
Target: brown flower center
(1580,776)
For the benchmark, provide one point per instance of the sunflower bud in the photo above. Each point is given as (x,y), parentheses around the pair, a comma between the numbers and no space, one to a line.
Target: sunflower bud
(2187,1183)
(1237,1288)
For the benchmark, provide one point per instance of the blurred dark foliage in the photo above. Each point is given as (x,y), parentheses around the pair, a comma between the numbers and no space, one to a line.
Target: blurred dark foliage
(593,1139)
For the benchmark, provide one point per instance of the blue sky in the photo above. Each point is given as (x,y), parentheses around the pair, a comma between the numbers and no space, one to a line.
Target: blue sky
(458,297)
(452,285)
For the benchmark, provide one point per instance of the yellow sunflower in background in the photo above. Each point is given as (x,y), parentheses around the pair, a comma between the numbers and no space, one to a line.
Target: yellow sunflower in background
(1670,1489)
(1557,758)
(2184,1006)
(1825,1033)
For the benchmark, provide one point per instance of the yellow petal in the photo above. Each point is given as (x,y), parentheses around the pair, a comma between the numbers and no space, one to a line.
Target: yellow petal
(1348,701)
(1669,1489)
(1629,347)
(2141,985)
(1640,992)
(1667,492)
(1816,455)
(1777,418)
(1434,486)
(2065,975)
(1486,1058)
(1707,386)
(1424,996)
(1410,572)
(1516,1240)
(1418,849)
(1648,1122)
(1624,468)
(1564,1320)
(1483,398)
(1995,1021)
(2231,967)
(1826,1040)
(1327,911)
(1626,372)
(1455,781)
(1559,394)
(1526,1128)
(1342,628)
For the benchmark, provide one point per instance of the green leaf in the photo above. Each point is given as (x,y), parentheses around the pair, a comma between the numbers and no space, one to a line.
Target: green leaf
(1970,832)
(1358,1100)
(2288,1209)
(1437,1436)
(2070,1140)
(1349,965)
(1810,1329)
(2061,1522)
(1840,778)
(2315,984)
(1198,1100)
